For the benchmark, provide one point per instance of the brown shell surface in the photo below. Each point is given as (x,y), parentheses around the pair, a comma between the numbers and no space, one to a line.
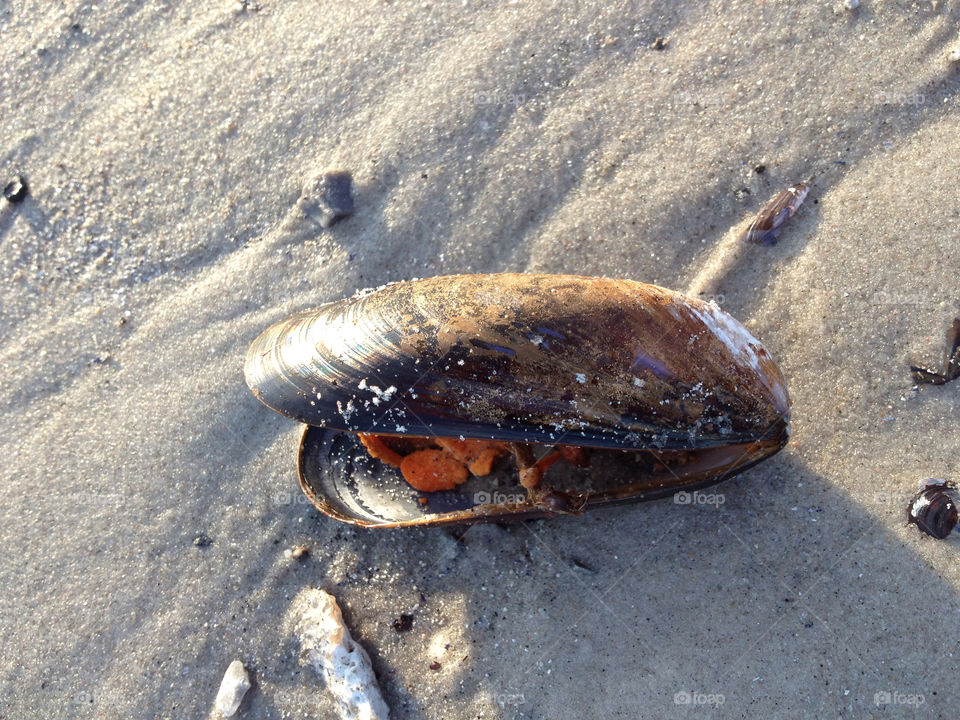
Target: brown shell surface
(522,357)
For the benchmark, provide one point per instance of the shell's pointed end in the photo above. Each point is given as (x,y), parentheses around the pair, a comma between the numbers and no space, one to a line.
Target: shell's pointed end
(257,363)
(272,369)
(259,368)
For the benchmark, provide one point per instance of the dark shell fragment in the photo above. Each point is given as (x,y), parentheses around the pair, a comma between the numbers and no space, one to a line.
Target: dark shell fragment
(767,225)
(933,510)
(16,190)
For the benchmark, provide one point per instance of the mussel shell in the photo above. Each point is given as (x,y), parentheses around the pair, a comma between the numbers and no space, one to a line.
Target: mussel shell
(528,358)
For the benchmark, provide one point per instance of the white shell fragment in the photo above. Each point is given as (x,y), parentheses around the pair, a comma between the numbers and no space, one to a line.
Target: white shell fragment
(235,684)
(325,643)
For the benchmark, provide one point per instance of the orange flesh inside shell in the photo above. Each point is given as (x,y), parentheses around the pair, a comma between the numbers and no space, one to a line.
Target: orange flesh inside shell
(477,455)
(380,450)
(434,464)
(441,467)
(432,470)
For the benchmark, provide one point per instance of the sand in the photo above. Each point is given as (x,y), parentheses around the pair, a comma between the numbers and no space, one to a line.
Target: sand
(165,146)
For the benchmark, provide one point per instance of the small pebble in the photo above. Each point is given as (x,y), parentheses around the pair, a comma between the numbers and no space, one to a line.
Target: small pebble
(327,198)
(299,552)
(435,666)
(234,686)
(16,190)
(202,540)
(851,4)
(660,43)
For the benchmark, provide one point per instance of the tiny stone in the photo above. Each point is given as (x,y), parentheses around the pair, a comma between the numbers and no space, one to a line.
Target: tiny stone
(660,43)
(435,666)
(16,190)
(954,55)
(851,4)
(235,684)
(300,551)
(202,540)
(760,169)
(326,198)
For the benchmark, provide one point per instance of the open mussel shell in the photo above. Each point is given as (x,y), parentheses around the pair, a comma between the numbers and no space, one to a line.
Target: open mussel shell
(540,359)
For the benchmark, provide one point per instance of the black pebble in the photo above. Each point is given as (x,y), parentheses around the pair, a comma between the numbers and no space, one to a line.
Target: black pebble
(16,190)
(202,540)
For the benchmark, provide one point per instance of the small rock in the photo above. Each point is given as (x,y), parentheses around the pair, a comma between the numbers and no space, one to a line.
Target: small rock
(16,190)
(660,43)
(202,540)
(851,4)
(435,666)
(298,552)
(235,684)
(759,169)
(326,198)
